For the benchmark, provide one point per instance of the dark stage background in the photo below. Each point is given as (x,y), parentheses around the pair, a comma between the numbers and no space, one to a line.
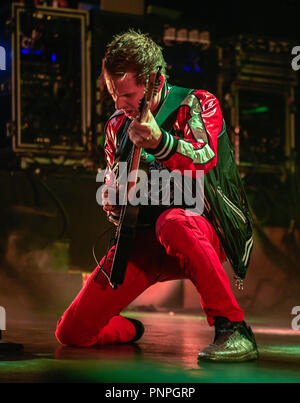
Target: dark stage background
(53,112)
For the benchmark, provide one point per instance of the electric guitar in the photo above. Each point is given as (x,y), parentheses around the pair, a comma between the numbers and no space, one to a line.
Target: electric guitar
(125,231)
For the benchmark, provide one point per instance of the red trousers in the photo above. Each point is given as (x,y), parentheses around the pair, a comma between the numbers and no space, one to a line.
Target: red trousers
(184,247)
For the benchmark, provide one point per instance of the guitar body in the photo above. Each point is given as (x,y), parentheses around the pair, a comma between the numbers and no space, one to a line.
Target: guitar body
(128,220)
(124,240)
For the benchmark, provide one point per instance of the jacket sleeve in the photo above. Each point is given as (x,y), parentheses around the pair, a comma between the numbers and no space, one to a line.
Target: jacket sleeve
(111,129)
(192,143)
(109,144)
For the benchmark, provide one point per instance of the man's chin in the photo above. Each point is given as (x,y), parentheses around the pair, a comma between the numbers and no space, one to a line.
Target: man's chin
(131,115)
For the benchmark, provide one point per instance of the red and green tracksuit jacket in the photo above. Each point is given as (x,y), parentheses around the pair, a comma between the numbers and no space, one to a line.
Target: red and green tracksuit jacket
(197,140)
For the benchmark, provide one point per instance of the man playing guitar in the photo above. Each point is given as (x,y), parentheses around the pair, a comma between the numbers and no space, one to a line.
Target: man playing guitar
(169,243)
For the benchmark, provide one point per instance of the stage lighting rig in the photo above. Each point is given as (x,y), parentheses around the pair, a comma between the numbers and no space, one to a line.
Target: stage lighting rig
(173,36)
(259,100)
(51,82)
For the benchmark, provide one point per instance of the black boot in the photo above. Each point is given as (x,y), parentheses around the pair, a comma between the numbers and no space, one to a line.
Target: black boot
(139,328)
(233,342)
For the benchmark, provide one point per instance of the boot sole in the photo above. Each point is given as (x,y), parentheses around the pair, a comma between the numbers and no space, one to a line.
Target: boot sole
(246,357)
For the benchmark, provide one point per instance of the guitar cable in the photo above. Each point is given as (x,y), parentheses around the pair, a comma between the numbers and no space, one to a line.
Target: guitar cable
(95,257)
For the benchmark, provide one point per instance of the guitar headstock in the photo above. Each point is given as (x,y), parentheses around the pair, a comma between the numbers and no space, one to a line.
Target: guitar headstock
(152,84)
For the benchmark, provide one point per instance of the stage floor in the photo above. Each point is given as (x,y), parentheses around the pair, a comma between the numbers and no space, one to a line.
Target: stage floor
(166,353)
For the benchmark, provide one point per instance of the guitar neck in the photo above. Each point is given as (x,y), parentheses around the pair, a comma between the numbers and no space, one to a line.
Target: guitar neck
(133,171)
(136,156)
(144,112)
(136,152)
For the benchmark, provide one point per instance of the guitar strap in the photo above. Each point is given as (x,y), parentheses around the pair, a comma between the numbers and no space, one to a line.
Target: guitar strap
(166,115)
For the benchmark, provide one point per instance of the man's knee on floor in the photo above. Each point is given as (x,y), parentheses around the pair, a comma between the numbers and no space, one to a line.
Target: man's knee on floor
(64,337)
(70,337)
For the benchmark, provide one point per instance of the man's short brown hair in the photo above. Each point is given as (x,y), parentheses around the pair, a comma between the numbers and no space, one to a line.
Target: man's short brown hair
(134,52)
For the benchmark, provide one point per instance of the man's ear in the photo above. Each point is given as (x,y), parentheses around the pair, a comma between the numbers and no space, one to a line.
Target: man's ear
(162,81)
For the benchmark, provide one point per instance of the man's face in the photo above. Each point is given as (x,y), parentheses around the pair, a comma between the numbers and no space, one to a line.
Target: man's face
(125,92)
